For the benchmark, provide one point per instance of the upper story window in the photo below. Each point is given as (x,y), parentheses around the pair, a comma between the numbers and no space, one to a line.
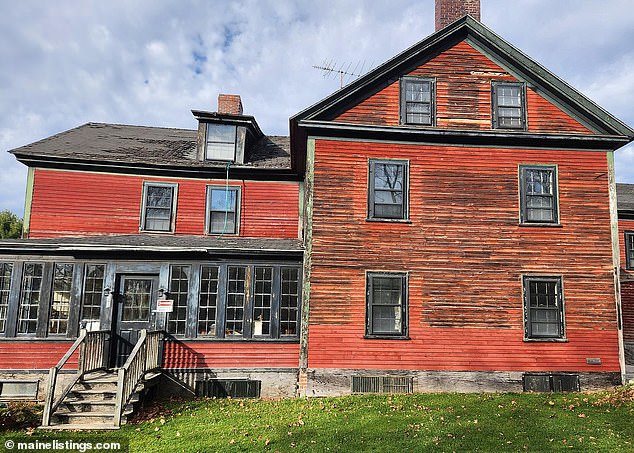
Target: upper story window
(159,205)
(417,101)
(223,209)
(629,249)
(221,142)
(538,194)
(386,304)
(387,191)
(509,105)
(543,308)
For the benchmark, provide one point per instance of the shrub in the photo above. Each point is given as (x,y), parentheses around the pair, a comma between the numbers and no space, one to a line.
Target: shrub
(20,415)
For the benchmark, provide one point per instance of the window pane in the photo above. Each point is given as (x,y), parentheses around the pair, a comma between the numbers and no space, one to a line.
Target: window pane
(236,285)
(262,301)
(30,297)
(388,191)
(508,106)
(137,294)
(221,142)
(388,176)
(222,206)
(92,295)
(208,304)
(289,301)
(386,304)
(158,207)
(179,289)
(417,101)
(6,270)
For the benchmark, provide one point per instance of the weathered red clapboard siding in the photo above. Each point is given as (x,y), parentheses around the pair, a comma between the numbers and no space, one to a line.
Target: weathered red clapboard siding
(463,96)
(67,203)
(34,355)
(192,354)
(465,254)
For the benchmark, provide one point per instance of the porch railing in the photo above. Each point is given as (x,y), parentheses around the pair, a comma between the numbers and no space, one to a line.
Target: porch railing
(92,357)
(145,357)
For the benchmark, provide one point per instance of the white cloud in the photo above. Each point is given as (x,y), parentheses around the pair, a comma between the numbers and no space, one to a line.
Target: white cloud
(151,61)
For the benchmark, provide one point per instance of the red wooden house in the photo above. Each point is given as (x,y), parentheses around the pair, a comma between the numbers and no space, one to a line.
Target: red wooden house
(463,224)
(625,193)
(446,222)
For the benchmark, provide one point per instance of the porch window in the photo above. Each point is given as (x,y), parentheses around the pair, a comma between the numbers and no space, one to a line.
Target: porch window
(159,205)
(629,249)
(543,308)
(179,289)
(509,105)
(221,142)
(236,292)
(387,194)
(263,298)
(208,302)
(222,208)
(30,297)
(386,305)
(289,303)
(92,295)
(6,270)
(60,299)
(538,194)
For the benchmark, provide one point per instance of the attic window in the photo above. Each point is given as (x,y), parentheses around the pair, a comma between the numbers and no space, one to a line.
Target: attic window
(221,142)
(509,106)
(417,101)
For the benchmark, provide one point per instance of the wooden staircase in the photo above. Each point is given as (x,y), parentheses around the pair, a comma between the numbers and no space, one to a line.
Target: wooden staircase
(99,398)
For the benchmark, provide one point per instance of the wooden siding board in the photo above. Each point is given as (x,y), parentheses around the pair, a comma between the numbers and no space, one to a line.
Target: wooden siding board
(36,355)
(465,254)
(67,203)
(463,96)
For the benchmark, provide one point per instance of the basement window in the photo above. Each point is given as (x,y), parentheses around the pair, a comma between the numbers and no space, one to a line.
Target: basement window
(221,142)
(508,105)
(629,250)
(543,308)
(417,101)
(159,206)
(556,382)
(386,315)
(18,390)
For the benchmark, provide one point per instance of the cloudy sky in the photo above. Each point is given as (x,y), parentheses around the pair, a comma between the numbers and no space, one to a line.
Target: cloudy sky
(149,62)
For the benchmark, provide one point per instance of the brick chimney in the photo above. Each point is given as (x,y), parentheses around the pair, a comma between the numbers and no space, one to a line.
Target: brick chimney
(448,11)
(229,103)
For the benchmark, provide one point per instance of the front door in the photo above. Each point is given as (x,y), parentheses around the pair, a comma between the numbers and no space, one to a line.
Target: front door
(136,302)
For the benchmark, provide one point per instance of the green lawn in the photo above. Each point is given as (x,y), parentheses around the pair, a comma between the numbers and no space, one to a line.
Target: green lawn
(386,423)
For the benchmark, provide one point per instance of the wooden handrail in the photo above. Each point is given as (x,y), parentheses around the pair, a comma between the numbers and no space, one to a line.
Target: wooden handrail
(92,357)
(145,356)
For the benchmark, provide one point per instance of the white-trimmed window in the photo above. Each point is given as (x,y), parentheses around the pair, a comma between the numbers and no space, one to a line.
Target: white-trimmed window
(159,206)
(221,142)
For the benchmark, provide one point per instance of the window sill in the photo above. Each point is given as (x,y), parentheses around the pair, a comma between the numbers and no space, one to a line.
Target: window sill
(386,337)
(546,340)
(389,220)
(541,225)
(156,231)
(171,337)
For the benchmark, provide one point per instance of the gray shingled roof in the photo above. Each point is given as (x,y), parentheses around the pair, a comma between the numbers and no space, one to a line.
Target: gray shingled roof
(153,242)
(117,143)
(625,197)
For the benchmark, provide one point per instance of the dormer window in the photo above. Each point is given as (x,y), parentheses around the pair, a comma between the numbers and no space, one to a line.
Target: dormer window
(221,142)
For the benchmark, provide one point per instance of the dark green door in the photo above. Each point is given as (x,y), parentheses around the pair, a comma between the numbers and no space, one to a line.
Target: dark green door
(134,310)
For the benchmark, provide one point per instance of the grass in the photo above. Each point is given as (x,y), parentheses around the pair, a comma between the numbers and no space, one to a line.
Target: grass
(387,423)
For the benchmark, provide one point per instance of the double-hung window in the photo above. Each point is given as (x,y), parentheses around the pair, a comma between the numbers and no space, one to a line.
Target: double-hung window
(509,105)
(221,142)
(159,205)
(387,194)
(543,308)
(629,250)
(386,314)
(417,101)
(223,205)
(538,194)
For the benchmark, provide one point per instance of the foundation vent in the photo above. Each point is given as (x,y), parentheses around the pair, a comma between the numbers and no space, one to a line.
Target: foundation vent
(551,383)
(234,388)
(382,384)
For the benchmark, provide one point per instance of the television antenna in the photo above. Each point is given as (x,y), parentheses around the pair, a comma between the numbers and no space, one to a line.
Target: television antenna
(330,69)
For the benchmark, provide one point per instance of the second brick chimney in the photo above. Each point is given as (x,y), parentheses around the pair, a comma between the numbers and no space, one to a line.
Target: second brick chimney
(229,103)
(448,11)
